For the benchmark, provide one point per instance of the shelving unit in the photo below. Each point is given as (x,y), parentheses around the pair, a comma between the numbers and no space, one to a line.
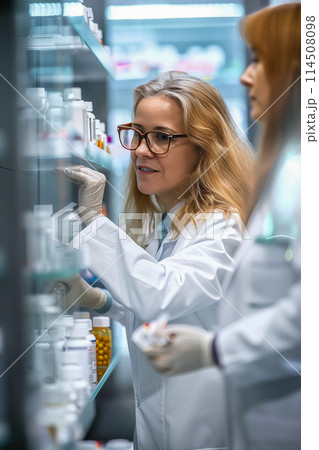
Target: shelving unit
(83,30)
(65,54)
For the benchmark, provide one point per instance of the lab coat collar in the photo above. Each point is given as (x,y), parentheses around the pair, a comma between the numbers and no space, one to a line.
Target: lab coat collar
(167,223)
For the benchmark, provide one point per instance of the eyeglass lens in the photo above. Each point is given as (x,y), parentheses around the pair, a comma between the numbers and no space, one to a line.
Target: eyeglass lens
(157,141)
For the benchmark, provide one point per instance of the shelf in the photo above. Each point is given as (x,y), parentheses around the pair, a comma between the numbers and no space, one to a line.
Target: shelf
(98,156)
(53,42)
(114,361)
(83,30)
(91,156)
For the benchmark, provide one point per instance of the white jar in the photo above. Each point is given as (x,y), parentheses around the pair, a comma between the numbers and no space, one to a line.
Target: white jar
(57,344)
(81,349)
(92,339)
(76,114)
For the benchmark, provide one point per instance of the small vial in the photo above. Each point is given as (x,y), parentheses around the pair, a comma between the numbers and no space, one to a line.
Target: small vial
(90,119)
(103,136)
(102,332)
(98,134)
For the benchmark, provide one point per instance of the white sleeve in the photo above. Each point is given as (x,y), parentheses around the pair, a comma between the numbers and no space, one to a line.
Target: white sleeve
(180,284)
(265,345)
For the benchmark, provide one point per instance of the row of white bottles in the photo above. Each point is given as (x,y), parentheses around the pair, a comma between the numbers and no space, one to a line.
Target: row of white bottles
(47,19)
(64,364)
(62,123)
(56,345)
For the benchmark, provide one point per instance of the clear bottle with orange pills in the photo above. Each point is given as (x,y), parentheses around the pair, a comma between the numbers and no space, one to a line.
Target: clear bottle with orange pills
(102,332)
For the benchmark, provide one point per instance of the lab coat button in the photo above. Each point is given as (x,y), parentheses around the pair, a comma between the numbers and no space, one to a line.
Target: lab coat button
(137,402)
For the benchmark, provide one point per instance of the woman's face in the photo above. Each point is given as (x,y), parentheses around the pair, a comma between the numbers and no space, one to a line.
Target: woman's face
(170,170)
(254,78)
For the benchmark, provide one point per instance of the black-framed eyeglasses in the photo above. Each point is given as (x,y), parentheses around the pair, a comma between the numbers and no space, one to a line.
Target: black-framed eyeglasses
(157,142)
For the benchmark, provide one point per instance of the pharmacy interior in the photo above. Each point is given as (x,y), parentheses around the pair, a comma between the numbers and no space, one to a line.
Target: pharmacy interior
(68,70)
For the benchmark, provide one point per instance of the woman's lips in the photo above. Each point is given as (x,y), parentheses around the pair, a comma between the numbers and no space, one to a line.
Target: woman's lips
(144,170)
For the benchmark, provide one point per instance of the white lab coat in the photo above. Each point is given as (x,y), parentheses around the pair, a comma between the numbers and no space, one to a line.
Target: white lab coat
(263,386)
(182,278)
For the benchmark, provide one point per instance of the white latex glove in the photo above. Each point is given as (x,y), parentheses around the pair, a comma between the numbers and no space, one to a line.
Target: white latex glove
(91,191)
(81,293)
(189,348)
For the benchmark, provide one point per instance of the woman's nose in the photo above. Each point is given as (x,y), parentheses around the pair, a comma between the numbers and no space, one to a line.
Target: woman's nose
(246,77)
(143,150)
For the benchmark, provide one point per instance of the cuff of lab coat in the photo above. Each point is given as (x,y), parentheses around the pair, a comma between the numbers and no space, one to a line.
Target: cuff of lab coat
(107,305)
(215,356)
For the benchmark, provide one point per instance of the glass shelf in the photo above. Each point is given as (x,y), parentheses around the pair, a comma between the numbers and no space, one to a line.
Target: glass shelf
(114,361)
(76,155)
(98,156)
(82,28)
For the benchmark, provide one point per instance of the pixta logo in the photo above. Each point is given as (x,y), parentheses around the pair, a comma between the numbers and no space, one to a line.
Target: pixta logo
(212,226)
(67,224)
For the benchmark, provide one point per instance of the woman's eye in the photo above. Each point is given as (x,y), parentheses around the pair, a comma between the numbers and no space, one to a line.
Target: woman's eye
(254,59)
(162,136)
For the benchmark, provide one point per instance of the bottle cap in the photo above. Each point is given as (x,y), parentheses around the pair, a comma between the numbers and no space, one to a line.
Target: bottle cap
(89,106)
(97,125)
(67,321)
(74,93)
(102,127)
(90,13)
(87,322)
(35,92)
(101,321)
(55,100)
(81,315)
(57,332)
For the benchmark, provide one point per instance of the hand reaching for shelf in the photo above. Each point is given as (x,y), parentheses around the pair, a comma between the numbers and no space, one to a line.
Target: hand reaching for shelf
(91,191)
(80,293)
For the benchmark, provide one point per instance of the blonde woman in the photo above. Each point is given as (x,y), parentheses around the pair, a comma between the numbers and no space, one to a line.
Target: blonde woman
(258,346)
(190,169)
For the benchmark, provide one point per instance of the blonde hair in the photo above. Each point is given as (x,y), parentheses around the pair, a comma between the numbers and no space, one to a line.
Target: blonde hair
(221,176)
(274,33)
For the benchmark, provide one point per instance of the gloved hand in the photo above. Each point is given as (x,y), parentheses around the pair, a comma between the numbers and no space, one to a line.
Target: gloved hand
(90,197)
(189,348)
(80,293)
